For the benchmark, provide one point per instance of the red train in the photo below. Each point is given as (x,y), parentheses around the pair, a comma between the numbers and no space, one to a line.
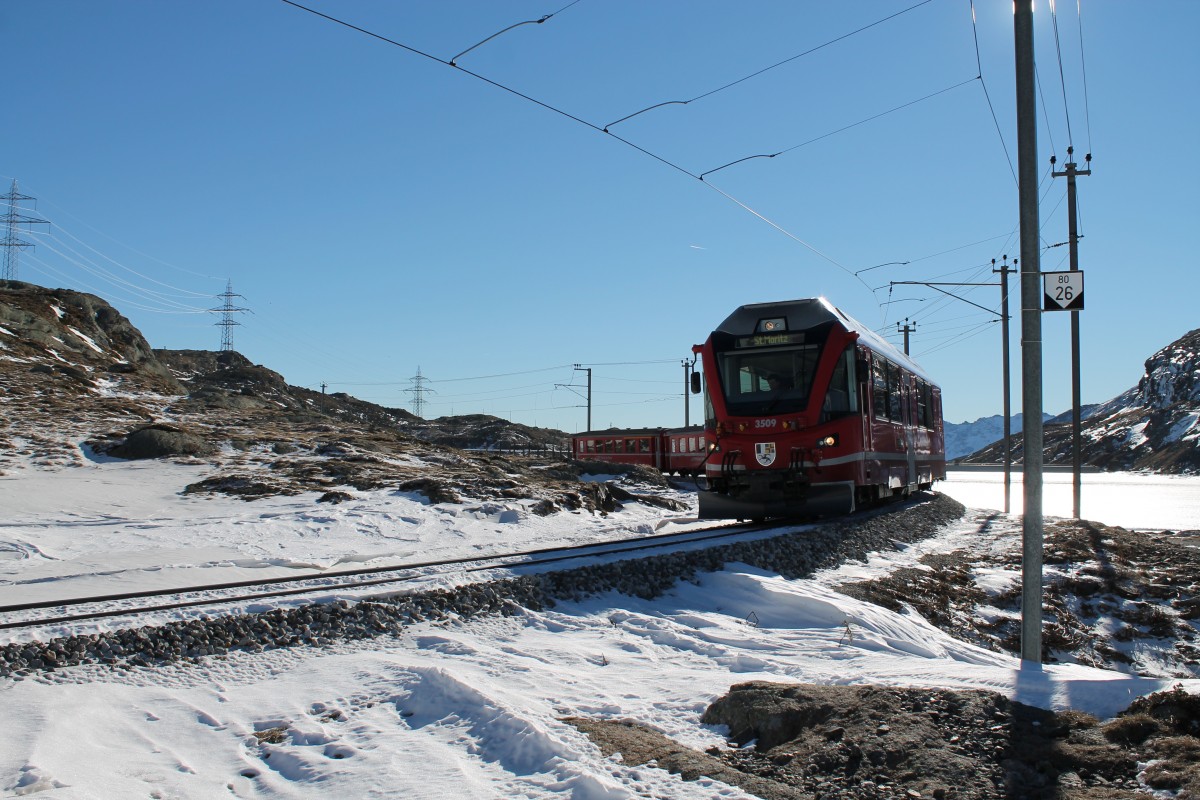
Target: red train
(679,451)
(807,412)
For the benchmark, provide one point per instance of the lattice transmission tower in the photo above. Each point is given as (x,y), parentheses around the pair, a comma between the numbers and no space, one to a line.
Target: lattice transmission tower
(418,391)
(227,309)
(13,219)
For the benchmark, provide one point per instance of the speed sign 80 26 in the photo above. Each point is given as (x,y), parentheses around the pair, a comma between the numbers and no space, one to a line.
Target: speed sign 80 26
(1063,291)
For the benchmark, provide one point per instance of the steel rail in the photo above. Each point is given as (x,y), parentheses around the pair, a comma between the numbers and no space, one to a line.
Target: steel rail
(498,561)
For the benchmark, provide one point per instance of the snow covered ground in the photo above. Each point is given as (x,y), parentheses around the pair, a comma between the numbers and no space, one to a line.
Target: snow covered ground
(449,709)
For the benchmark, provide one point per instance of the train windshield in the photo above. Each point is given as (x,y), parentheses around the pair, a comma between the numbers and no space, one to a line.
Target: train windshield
(758,382)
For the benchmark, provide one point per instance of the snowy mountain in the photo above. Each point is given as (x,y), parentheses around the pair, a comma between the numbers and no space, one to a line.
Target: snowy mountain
(1152,426)
(964,438)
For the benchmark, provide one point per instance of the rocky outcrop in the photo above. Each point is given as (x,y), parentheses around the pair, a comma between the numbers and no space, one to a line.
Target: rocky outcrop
(1153,426)
(78,336)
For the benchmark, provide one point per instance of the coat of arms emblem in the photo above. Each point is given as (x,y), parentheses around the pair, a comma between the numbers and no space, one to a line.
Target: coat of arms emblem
(765,453)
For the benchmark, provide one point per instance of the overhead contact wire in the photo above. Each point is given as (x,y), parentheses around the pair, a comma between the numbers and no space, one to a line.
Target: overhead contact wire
(766,69)
(843,129)
(987,96)
(583,122)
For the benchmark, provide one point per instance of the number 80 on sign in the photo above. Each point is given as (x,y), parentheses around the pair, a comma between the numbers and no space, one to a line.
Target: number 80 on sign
(1063,291)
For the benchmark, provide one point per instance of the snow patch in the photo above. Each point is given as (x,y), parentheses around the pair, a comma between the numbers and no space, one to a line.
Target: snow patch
(87,340)
(1186,428)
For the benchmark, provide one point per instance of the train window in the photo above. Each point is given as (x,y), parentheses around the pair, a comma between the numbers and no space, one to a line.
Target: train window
(674,445)
(768,380)
(923,405)
(691,444)
(879,391)
(894,377)
(841,399)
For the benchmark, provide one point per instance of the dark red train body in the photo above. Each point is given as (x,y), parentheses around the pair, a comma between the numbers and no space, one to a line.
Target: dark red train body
(807,413)
(679,451)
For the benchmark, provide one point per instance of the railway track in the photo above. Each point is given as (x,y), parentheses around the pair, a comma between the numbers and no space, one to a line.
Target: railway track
(213,596)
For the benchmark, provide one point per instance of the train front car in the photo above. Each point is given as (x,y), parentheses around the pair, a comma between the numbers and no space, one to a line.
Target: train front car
(809,413)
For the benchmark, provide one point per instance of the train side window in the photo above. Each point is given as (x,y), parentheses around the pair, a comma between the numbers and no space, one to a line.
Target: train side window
(879,387)
(841,399)
(924,419)
(674,445)
(893,389)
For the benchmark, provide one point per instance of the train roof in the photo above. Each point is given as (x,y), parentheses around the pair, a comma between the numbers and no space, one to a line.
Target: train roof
(809,313)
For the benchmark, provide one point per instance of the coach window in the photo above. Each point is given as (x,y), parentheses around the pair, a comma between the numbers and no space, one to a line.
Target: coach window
(893,387)
(879,387)
(923,416)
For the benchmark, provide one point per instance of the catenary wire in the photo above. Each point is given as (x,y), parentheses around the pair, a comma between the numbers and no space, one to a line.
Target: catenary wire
(842,129)
(766,69)
(1087,113)
(583,122)
(1061,72)
(988,97)
(509,28)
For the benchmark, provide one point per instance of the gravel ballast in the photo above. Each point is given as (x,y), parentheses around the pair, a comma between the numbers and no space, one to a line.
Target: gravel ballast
(792,555)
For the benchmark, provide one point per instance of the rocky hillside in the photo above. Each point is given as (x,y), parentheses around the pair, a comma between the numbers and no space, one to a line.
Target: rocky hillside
(1153,426)
(78,381)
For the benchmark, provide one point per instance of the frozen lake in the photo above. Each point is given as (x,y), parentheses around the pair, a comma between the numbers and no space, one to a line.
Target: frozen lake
(1131,500)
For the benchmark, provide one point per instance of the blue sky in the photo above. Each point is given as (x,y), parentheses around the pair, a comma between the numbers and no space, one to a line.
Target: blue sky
(382,212)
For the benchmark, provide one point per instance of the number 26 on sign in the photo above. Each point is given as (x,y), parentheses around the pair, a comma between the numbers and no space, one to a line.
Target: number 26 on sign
(1063,291)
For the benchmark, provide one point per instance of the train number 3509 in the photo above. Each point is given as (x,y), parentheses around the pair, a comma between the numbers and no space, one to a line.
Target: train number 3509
(765,423)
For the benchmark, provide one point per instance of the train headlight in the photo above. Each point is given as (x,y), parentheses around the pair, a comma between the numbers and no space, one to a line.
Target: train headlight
(828,441)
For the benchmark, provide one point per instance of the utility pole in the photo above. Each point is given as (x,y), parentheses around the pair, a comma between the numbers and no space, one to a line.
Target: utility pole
(1005,271)
(588,370)
(1073,246)
(12,244)
(906,329)
(227,310)
(418,392)
(1031,332)
(687,391)
(1004,356)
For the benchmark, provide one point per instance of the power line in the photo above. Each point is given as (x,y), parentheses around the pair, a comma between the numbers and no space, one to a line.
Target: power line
(580,121)
(418,390)
(766,69)
(987,96)
(13,244)
(1087,113)
(1061,73)
(453,61)
(842,129)
(227,310)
